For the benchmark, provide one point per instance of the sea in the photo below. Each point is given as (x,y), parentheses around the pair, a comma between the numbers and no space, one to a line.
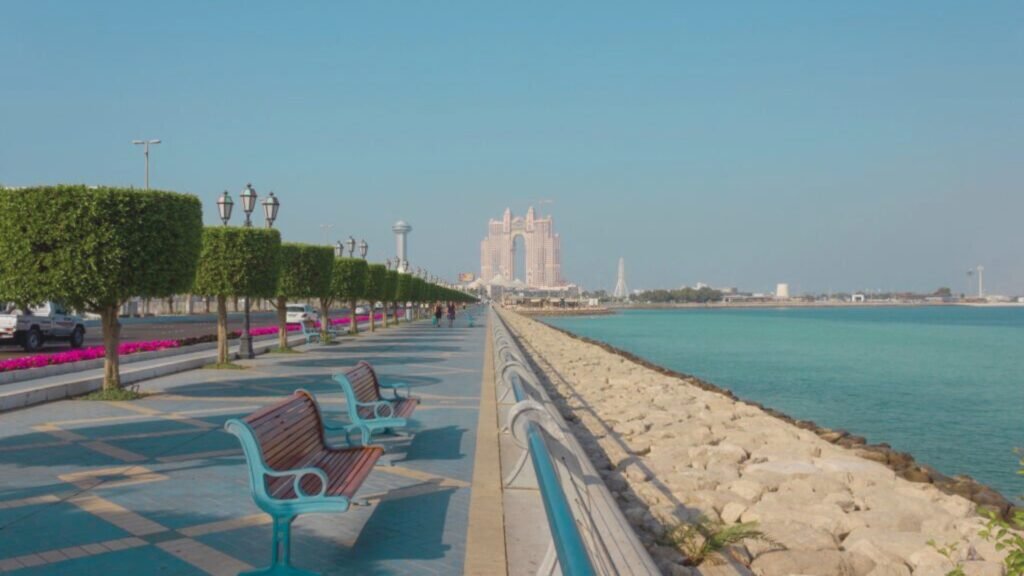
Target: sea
(944,383)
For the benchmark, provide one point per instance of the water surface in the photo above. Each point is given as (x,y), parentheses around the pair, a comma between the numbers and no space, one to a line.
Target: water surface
(943,383)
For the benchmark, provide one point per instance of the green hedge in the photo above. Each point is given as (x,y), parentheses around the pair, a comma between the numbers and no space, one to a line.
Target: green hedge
(239,262)
(94,248)
(349,281)
(306,270)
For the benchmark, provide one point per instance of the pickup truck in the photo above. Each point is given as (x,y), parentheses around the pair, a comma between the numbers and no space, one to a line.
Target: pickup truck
(31,327)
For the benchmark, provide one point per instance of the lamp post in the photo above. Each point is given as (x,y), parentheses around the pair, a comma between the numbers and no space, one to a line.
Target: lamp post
(351,243)
(224,206)
(145,144)
(339,249)
(245,350)
(270,207)
(387,264)
(363,249)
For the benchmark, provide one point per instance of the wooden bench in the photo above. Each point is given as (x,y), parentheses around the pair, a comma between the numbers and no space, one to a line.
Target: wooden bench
(369,411)
(310,333)
(293,470)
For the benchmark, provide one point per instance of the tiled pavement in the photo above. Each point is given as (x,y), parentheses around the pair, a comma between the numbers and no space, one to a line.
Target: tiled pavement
(156,486)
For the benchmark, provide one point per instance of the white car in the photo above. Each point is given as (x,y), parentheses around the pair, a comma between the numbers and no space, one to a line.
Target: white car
(361,310)
(31,327)
(299,313)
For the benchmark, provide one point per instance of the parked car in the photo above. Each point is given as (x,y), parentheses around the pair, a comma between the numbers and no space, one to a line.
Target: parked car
(299,313)
(32,327)
(360,310)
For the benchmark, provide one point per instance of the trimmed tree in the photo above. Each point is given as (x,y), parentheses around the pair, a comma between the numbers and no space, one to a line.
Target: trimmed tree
(403,288)
(376,289)
(305,273)
(237,262)
(349,285)
(388,293)
(94,248)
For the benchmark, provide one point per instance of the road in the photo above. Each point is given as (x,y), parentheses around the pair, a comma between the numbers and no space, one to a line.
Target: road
(157,328)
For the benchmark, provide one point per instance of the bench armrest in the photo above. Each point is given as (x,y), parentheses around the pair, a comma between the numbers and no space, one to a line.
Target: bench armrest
(299,474)
(364,432)
(379,407)
(394,387)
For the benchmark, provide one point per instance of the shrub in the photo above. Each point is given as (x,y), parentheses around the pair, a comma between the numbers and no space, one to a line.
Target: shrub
(305,273)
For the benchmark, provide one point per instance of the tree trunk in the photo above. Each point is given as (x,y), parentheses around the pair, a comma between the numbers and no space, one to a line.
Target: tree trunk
(170,305)
(206,301)
(384,316)
(235,300)
(282,322)
(353,327)
(325,320)
(373,312)
(222,330)
(111,339)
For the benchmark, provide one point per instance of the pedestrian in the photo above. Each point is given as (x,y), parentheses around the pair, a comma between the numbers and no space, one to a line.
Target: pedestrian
(451,314)
(438,312)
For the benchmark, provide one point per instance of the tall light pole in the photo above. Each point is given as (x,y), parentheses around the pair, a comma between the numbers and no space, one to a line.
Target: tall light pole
(981,281)
(145,144)
(245,350)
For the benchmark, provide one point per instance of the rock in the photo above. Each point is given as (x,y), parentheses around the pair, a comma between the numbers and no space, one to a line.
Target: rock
(894,569)
(746,488)
(877,555)
(983,568)
(917,474)
(957,506)
(732,511)
(902,545)
(927,559)
(636,472)
(789,562)
(783,467)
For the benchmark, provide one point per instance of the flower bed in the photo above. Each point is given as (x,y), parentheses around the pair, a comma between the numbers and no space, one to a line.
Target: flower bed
(95,352)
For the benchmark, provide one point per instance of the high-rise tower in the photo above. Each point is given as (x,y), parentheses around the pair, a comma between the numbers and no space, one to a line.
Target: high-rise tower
(401,230)
(621,290)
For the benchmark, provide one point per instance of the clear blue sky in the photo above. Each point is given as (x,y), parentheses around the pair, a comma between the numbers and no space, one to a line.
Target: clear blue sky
(842,145)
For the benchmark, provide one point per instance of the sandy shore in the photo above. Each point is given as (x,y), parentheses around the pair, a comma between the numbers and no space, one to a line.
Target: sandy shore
(672,451)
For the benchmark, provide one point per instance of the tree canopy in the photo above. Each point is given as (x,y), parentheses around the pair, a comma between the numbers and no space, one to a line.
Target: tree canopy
(96,247)
(349,280)
(377,283)
(306,270)
(239,262)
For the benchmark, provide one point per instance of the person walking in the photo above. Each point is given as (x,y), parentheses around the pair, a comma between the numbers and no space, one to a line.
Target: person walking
(451,314)
(438,312)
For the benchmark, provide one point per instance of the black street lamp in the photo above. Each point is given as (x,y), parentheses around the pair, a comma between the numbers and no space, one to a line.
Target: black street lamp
(351,246)
(387,263)
(248,203)
(270,208)
(363,248)
(224,206)
(339,249)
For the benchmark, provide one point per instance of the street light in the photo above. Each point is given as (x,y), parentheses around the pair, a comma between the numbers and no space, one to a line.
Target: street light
(224,206)
(363,248)
(248,203)
(146,144)
(351,246)
(270,207)
(387,264)
(339,249)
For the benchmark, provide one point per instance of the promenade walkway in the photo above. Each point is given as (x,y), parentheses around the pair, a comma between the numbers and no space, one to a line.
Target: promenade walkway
(156,486)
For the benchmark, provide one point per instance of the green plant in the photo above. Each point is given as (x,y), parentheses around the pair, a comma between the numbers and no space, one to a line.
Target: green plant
(949,553)
(94,248)
(305,273)
(703,538)
(114,395)
(376,289)
(237,262)
(1007,536)
(349,284)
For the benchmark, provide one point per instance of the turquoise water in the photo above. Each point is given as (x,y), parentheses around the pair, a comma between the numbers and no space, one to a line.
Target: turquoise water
(943,383)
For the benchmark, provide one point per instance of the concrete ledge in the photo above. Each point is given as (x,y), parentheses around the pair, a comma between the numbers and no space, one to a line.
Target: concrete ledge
(159,365)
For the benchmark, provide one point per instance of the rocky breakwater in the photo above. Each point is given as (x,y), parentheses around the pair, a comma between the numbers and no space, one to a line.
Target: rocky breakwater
(673,451)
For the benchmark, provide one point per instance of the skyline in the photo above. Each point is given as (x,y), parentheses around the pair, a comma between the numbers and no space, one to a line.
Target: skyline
(830,147)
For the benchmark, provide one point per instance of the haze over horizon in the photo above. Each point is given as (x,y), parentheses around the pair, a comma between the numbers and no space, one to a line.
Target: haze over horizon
(831,146)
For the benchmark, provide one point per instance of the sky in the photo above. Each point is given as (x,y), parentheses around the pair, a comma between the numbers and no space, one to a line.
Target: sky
(840,146)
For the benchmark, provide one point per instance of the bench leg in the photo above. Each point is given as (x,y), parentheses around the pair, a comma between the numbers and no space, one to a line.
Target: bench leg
(280,556)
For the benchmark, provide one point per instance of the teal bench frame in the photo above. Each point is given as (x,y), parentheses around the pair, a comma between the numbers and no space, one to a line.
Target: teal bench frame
(288,415)
(311,334)
(383,417)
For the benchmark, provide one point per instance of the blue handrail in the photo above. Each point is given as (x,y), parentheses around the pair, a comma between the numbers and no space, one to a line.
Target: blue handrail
(572,555)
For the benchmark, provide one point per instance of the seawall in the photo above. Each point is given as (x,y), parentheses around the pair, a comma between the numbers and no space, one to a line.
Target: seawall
(673,448)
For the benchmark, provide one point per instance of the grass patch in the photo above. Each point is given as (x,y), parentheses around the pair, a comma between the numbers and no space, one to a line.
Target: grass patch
(225,366)
(705,539)
(115,395)
(285,351)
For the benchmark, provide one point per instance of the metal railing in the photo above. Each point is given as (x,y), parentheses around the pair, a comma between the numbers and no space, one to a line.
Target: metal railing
(589,533)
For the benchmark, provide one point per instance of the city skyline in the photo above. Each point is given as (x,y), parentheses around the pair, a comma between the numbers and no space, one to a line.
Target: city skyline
(830,146)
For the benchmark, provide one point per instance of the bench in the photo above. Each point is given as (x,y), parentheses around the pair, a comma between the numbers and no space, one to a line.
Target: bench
(310,333)
(293,470)
(368,411)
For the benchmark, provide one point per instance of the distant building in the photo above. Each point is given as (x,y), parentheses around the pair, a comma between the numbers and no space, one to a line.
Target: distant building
(542,245)
(858,297)
(782,291)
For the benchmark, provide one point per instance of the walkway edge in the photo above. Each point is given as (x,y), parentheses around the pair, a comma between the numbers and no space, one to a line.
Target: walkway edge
(485,540)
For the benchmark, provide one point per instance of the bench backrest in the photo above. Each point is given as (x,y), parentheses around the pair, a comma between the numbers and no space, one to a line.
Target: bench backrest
(364,385)
(280,436)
